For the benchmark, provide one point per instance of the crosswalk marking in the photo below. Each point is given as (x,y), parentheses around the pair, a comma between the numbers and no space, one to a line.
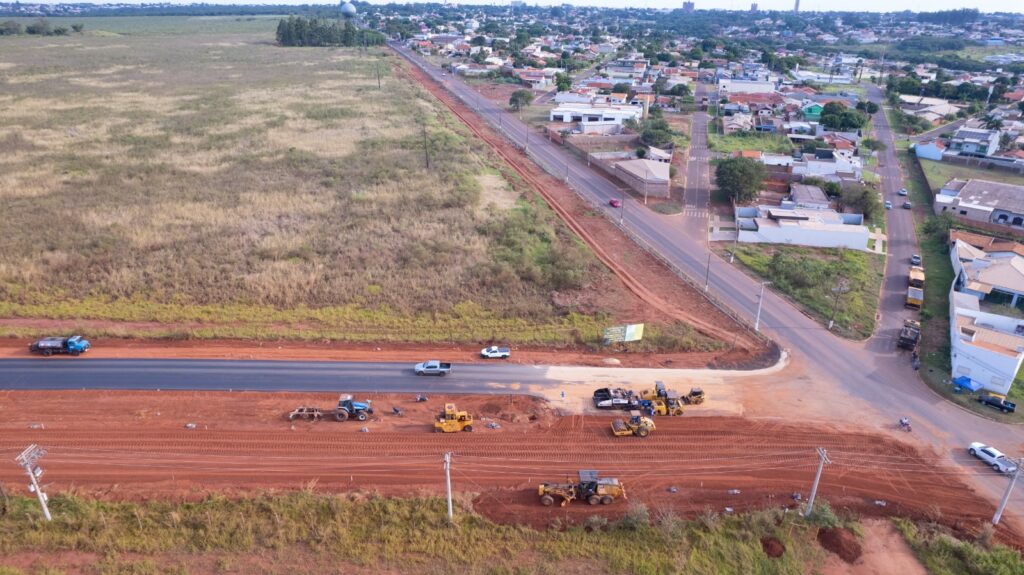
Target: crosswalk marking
(695,213)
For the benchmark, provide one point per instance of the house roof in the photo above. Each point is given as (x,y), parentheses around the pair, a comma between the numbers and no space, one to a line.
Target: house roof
(988,195)
(938,143)
(807,194)
(985,243)
(751,154)
(650,170)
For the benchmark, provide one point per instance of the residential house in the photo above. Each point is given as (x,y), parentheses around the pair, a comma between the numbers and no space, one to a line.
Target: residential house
(982,201)
(812,112)
(808,197)
(823,228)
(930,149)
(986,344)
(728,86)
(594,116)
(737,123)
(974,142)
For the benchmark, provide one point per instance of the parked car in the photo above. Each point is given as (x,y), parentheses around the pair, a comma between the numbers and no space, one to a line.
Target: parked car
(907,205)
(495,352)
(903,191)
(993,457)
(915,260)
(888,205)
(615,203)
(997,401)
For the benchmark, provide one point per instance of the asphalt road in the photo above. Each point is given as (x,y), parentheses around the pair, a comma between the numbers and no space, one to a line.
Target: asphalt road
(224,375)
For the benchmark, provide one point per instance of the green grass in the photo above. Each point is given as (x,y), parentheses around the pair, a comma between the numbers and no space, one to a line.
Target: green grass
(807,276)
(857,89)
(938,173)
(164,25)
(943,554)
(396,536)
(774,143)
(191,173)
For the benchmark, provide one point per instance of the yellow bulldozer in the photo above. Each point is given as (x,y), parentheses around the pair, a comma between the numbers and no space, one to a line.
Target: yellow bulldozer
(590,488)
(451,420)
(637,424)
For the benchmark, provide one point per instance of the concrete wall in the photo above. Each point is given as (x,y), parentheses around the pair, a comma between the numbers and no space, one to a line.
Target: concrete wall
(855,239)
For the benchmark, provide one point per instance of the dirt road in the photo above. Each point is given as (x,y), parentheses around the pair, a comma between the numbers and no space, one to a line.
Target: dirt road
(136,445)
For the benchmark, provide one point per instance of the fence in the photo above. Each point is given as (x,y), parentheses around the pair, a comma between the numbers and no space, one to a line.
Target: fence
(985,163)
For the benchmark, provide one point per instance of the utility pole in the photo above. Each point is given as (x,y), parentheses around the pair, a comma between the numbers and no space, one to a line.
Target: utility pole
(378,76)
(822,460)
(622,211)
(760,300)
(448,481)
(707,274)
(1006,496)
(28,458)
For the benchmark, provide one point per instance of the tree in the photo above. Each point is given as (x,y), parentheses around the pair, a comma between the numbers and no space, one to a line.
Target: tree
(872,144)
(478,41)
(78,28)
(860,199)
(563,82)
(992,122)
(10,28)
(40,27)
(621,88)
(740,178)
(1020,105)
(520,99)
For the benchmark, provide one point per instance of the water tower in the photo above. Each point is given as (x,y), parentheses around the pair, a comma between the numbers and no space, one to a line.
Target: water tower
(348,11)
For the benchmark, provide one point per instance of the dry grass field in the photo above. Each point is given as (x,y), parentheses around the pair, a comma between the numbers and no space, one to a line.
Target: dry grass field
(187,171)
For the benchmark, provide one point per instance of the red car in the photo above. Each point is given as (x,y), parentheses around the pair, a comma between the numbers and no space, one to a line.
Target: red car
(615,203)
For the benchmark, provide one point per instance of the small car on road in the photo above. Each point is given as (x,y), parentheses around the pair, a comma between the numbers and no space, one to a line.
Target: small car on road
(903,191)
(888,205)
(907,205)
(915,260)
(615,203)
(993,457)
(495,352)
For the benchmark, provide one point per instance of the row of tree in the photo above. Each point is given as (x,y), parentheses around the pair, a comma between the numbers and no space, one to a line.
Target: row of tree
(40,27)
(299,31)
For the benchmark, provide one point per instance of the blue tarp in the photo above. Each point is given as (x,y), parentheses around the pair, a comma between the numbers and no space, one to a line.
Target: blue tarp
(967,383)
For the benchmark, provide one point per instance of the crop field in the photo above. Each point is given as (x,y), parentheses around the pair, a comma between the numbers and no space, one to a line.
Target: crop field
(187,171)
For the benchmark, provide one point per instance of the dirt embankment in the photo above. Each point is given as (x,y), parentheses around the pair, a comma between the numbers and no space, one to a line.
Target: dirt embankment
(641,273)
(137,445)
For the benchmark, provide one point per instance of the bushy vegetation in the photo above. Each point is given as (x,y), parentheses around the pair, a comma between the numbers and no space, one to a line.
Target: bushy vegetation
(399,536)
(40,27)
(943,554)
(299,31)
(740,178)
(275,201)
(813,277)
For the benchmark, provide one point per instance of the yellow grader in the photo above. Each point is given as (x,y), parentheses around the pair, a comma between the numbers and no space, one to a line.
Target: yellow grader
(590,488)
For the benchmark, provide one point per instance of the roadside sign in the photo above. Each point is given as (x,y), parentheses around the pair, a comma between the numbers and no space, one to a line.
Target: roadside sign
(623,333)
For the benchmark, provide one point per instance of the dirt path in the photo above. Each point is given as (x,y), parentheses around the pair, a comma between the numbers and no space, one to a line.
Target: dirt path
(136,445)
(884,552)
(642,274)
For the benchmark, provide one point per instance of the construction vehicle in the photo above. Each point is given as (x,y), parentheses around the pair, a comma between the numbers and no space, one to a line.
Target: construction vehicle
(916,277)
(74,345)
(614,398)
(589,488)
(352,409)
(909,335)
(306,412)
(671,404)
(451,420)
(695,397)
(637,424)
(915,297)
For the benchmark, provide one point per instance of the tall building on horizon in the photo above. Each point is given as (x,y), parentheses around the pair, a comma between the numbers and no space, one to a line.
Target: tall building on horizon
(688,6)
(753,7)
(796,8)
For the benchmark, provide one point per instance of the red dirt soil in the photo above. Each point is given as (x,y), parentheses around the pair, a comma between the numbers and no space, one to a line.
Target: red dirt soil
(135,445)
(665,293)
(841,542)
(339,351)
(772,547)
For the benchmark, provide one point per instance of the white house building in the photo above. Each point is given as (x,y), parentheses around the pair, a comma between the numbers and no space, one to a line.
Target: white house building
(596,114)
(986,346)
(982,201)
(821,228)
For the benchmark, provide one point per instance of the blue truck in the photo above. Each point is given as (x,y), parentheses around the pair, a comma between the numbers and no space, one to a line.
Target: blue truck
(74,345)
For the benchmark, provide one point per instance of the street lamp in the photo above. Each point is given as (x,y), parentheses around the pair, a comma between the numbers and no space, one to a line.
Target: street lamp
(760,300)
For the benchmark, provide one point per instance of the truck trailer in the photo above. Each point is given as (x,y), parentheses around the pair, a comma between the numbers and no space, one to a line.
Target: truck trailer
(74,345)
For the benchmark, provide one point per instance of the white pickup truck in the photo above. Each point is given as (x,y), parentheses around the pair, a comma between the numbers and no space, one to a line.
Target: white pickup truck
(432,367)
(993,457)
